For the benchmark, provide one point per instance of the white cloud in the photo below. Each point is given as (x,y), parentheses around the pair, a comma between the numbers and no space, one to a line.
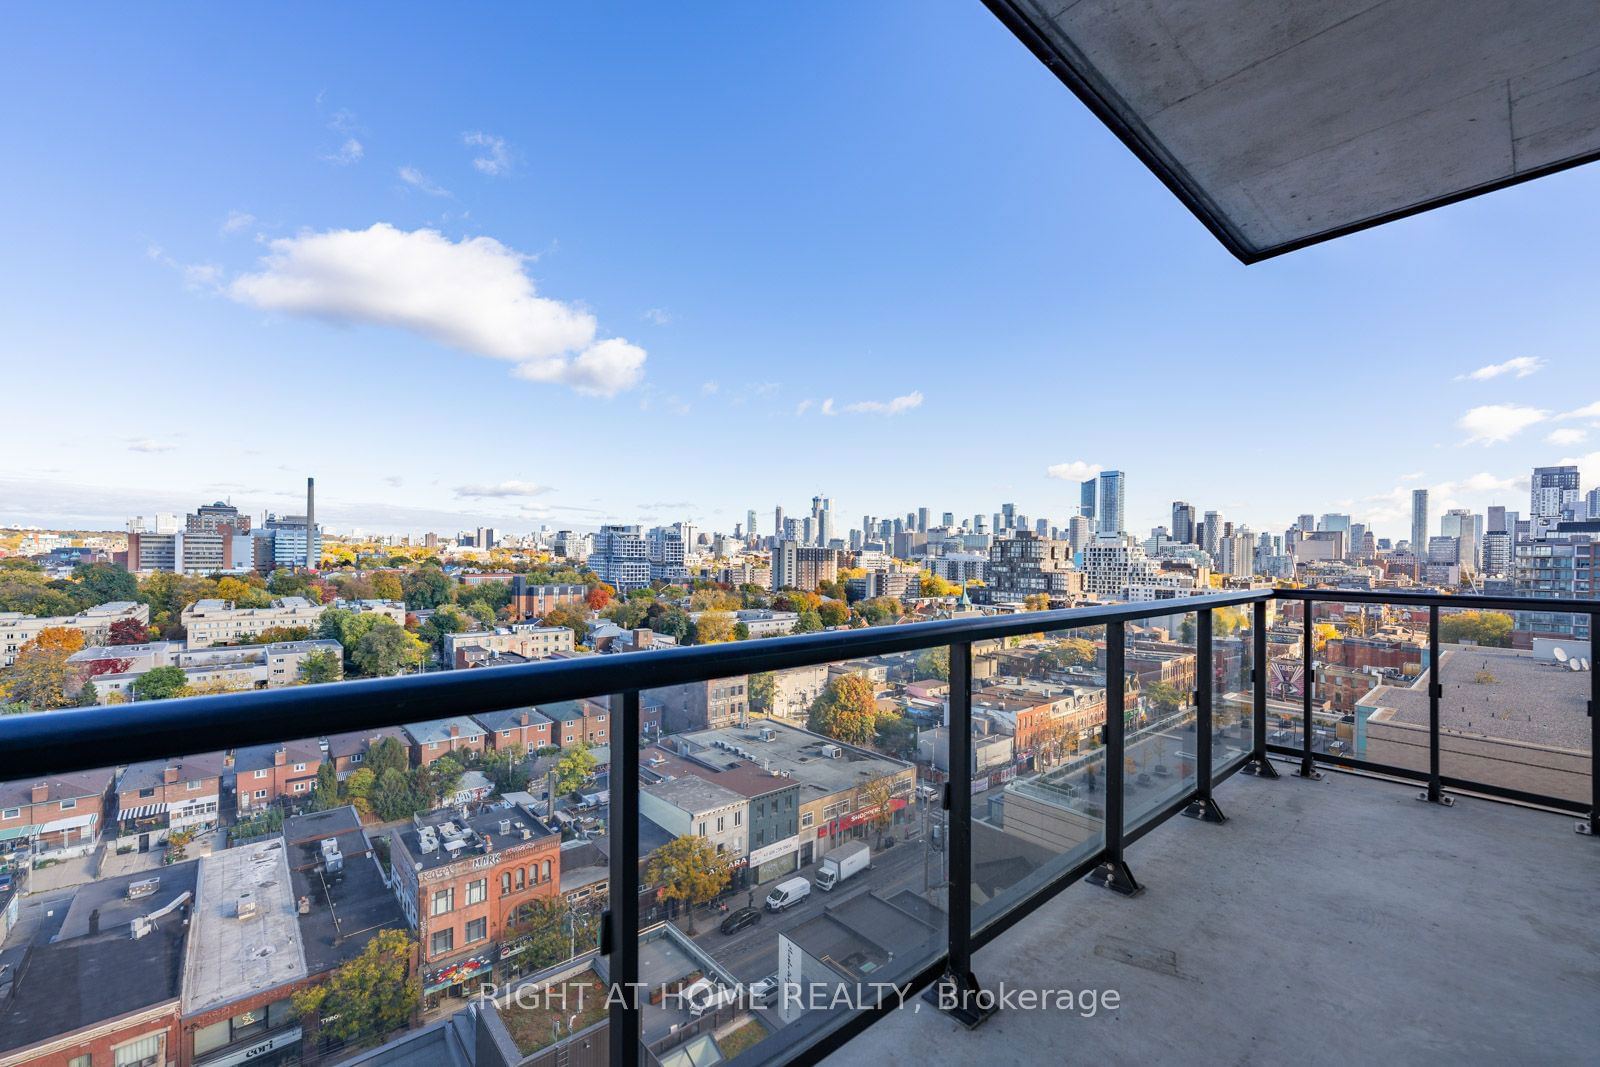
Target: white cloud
(1493,423)
(804,406)
(709,388)
(1588,467)
(1588,411)
(1521,366)
(1567,436)
(421,182)
(896,406)
(197,277)
(150,444)
(658,316)
(236,221)
(1413,476)
(348,153)
(1075,471)
(473,295)
(1482,482)
(496,158)
(502,489)
(827,407)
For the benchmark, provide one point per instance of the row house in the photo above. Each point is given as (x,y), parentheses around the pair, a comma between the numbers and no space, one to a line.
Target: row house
(528,728)
(588,721)
(57,816)
(158,797)
(352,751)
(431,741)
(265,774)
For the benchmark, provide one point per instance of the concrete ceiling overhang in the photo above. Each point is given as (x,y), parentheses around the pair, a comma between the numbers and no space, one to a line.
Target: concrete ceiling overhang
(1282,123)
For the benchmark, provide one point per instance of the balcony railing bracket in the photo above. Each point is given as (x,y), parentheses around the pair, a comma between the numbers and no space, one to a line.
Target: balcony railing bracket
(1444,800)
(959,996)
(1260,766)
(1116,875)
(1205,809)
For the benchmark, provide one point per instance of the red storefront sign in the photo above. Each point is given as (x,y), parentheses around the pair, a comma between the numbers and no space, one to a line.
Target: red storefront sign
(854,819)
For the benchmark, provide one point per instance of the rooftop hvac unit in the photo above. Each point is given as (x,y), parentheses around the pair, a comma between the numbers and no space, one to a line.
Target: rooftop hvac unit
(428,839)
(332,860)
(768,734)
(505,826)
(832,751)
(244,905)
(143,888)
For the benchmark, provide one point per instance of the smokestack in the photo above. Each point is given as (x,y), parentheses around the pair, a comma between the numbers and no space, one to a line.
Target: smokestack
(311,523)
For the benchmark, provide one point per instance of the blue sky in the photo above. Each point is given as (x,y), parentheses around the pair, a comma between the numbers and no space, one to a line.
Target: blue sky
(573,263)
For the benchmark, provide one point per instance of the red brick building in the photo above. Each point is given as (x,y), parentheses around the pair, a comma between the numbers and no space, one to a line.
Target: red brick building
(352,751)
(435,739)
(526,727)
(461,882)
(265,774)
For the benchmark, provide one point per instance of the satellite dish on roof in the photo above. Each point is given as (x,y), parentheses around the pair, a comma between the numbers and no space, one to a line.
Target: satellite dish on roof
(1583,664)
(1574,665)
(1559,653)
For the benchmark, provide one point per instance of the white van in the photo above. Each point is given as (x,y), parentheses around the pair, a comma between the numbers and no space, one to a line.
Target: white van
(788,894)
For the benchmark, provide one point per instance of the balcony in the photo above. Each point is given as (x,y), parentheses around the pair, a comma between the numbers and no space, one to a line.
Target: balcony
(1010,848)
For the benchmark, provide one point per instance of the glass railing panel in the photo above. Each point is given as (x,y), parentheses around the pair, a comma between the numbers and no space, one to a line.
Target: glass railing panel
(1513,705)
(1160,747)
(1038,799)
(789,861)
(1232,688)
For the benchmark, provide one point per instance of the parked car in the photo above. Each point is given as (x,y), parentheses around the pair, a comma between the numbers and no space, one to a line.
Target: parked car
(1145,779)
(739,920)
(5,881)
(1162,771)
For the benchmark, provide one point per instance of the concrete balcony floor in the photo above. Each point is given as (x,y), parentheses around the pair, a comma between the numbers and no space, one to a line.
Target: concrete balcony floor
(1326,922)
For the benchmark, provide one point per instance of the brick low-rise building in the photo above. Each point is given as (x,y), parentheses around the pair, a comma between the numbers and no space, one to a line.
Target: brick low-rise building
(435,739)
(266,774)
(55,816)
(528,728)
(461,882)
(157,797)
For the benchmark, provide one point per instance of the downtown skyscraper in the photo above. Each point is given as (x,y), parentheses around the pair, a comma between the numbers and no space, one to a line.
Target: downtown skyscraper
(1419,522)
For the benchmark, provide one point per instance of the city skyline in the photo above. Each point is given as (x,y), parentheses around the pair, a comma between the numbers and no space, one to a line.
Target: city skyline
(614,244)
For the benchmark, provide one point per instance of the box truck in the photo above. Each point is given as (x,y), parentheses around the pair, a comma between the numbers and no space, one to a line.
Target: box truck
(841,863)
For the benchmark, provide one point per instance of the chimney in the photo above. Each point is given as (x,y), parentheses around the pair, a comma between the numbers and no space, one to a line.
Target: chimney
(279,757)
(455,731)
(169,775)
(311,522)
(41,792)
(524,717)
(227,760)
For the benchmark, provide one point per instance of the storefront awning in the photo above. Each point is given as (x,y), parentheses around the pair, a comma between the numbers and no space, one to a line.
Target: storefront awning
(144,811)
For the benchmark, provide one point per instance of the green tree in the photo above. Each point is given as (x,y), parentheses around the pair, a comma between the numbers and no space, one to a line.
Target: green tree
(934,663)
(105,582)
(392,796)
(387,648)
(388,755)
(571,616)
(670,620)
(846,710)
(426,587)
(544,925)
(897,736)
(1165,698)
(1492,628)
(762,690)
(687,869)
(160,683)
(447,772)
(367,998)
(507,768)
(574,768)
(318,667)
(833,613)
(809,622)
(327,794)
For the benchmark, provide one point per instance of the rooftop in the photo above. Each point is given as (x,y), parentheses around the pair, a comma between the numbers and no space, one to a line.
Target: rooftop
(68,977)
(151,774)
(1522,698)
(246,935)
(800,753)
(434,731)
(694,795)
(478,834)
(347,907)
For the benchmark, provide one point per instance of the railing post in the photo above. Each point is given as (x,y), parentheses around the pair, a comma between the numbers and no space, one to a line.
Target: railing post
(1434,794)
(1308,679)
(1114,873)
(1591,825)
(1259,764)
(1204,805)
(621,921)
(972,1004)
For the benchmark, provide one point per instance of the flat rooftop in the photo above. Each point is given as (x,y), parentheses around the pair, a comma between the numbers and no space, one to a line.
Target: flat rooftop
(797,751)
(1325,922)
(347,907)
(479,834)
(69,977)
(1498,692)
(231,956)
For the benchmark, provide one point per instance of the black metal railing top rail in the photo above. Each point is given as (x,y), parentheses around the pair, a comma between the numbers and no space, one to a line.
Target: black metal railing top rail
(90,738)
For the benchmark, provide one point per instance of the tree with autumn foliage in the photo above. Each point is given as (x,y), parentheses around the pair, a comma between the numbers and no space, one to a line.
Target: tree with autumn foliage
(600,597)
(41,676)
(687,869)
(371,996)
(127,632)
(846,710)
